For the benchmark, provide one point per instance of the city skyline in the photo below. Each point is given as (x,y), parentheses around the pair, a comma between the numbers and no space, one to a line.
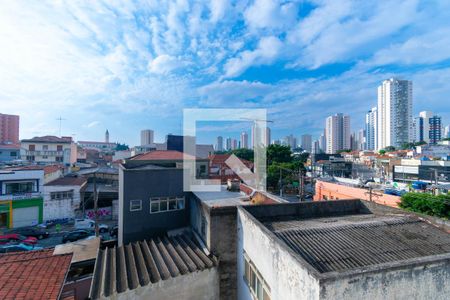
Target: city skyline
(138,65)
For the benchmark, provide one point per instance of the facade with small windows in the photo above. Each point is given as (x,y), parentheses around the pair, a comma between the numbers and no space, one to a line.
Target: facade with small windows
(49,149)
(9,152)
(62,197)
(151,201)
(21,197)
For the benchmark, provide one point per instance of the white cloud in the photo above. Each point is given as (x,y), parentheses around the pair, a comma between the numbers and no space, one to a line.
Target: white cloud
(270,14)
(267,50)
(218,9)
(93,124)
(164,64)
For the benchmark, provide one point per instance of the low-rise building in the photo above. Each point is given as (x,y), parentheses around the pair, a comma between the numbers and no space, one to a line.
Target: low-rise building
(62,197)
(21,201)
(100,146)
(348,249)
(49,149)
(438,151)
(218,169)
(431,171)
(9,152)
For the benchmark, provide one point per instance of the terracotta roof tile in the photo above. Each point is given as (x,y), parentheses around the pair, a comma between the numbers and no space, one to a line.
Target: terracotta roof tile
(68,181)
(33,275)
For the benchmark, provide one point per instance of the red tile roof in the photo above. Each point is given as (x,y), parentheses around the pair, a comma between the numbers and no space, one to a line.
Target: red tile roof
(33,275)
(68,181)
(52,168)
(47,169)
(161,155)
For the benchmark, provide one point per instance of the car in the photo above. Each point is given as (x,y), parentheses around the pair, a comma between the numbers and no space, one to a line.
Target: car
(76,235)
(114,231)
(15,237)
(90,224)
(18,248)
(37,233)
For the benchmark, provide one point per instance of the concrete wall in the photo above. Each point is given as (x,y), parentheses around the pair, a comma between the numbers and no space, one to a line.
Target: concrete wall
(64,208)
(142,185)
(422,281)
(333,191)
(285,276)
(202,285)
(219,237)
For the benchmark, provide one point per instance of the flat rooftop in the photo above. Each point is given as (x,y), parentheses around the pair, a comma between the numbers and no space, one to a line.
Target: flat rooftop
(223,198)
(335,236)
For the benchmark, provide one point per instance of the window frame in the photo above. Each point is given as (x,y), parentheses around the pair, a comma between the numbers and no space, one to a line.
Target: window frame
(136,209)
(251,277)
(180,204)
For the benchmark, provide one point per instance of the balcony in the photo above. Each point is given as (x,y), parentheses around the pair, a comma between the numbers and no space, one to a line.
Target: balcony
(44,152)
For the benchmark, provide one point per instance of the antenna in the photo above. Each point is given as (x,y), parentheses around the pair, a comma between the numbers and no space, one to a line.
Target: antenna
(60,120)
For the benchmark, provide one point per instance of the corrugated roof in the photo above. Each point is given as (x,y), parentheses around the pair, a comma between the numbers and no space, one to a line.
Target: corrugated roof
(33,275)
(348,242)
(138,264)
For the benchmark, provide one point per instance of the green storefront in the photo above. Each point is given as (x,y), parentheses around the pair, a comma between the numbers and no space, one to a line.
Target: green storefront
(17,213)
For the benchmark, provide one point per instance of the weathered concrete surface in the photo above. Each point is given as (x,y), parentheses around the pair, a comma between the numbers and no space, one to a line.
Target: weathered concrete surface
(427,281)
(289,276)
(202,285)
(286,277)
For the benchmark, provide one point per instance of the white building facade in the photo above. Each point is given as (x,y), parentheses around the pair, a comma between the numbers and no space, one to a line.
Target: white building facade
(49,149)
(62,197)
(395,123)
(337,132)
(371,129)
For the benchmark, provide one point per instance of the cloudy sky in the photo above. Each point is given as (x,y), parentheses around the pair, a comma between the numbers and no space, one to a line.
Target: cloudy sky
(129,65)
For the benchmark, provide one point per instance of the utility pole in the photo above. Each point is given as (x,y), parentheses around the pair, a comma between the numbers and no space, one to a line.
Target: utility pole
(301,185)
(95,205)
(60,119)
(281,184)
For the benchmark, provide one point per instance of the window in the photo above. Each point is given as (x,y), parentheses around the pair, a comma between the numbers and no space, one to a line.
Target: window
(44,156)
(135,205)
(59,148)
(13,153)
(45,147)
(164,204)
(257,285)
(61,195)
(19,187)
(31,147)
(59,158)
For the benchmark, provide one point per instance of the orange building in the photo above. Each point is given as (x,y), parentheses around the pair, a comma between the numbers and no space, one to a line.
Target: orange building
(335,191)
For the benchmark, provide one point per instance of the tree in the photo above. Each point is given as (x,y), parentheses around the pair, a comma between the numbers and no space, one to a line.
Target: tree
(343,151)
(278,154)
(382,152)
(121,147)
(244,153)
(389,148)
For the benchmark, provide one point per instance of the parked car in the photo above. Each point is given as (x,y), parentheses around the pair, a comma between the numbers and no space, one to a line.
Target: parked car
(76,235)
(114,231)
(15,237)
(18,248)
(90,224)
(37,233)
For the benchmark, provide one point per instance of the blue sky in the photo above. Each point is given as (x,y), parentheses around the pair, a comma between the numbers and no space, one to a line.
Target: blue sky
(130,65)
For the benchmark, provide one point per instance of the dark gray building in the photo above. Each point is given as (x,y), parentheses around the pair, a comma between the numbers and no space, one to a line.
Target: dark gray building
(151,201)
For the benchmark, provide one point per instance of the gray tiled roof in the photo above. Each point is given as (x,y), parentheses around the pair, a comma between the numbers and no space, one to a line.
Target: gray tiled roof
(138,264)
(348,242)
